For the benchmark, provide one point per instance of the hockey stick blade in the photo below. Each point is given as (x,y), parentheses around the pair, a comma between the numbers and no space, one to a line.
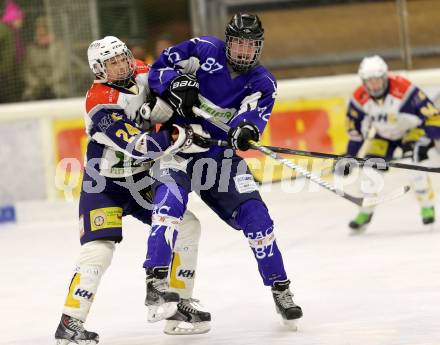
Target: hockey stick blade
(374,201)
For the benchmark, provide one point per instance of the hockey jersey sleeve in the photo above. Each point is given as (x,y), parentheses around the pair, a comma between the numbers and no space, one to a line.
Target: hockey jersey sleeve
(257,107)
(355,122)
(176,59)
(419,104)
(110,127)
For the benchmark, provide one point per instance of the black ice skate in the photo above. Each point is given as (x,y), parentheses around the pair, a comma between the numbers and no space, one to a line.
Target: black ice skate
(284,304)
(71,331)
(161,302)
(428,215)
(190,318)
(360,223)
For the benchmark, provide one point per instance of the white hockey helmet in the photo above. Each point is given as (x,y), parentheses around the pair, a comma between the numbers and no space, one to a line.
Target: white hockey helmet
(374,67)
(107,48)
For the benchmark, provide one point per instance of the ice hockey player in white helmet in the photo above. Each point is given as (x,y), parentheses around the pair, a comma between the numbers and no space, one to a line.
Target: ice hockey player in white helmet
(373,72)
(400,115)
(121,148)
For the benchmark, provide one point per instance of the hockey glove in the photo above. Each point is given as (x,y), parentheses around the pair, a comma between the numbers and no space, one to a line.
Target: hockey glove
(157,111)
(343,167)
(417,150)
(183,94)
(188,139)
(238,137)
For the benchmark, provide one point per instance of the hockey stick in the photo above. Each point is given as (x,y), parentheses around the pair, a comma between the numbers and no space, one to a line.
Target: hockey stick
(360,201)
(360,161)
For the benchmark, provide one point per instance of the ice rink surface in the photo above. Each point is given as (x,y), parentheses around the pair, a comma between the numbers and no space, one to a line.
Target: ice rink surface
(380,288)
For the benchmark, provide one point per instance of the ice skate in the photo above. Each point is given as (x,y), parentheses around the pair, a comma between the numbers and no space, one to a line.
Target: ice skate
(360,223)
(71,331)
(161,302)
(190,318)
(288,310)
(428,215)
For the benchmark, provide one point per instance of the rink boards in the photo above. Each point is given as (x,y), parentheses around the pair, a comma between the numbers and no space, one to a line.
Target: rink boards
(44,142)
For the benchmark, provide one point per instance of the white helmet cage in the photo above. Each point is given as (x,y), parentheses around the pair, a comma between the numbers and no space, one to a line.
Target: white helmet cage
(107,48)
(374,67)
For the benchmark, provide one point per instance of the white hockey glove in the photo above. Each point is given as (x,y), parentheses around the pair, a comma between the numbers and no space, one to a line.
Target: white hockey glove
(189,139)
(189,66)
(160,113)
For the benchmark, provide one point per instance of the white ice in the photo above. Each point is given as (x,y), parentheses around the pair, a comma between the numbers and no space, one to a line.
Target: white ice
(380,288)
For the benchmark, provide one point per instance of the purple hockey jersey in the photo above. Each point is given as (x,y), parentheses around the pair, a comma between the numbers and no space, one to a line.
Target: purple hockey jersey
(230,97)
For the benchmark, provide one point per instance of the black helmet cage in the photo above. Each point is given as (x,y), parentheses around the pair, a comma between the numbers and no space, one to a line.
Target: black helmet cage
(246,31)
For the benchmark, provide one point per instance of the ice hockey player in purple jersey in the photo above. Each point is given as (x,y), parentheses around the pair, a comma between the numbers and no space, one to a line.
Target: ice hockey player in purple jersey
(121,147)
(228,82)
(390,112)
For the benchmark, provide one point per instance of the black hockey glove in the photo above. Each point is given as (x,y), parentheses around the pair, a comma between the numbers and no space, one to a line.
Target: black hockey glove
(417,150)
(343,167)
(183,94)
(238,137)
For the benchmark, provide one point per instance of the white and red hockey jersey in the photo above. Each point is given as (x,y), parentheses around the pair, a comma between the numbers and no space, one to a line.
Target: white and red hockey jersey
(115,141)
(403,108)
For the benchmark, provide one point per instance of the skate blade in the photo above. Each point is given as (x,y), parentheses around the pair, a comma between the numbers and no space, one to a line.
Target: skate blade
(291,325)
(175,327)
(161,312)
(62,342)
(358,231)
(430,227)
(77,342)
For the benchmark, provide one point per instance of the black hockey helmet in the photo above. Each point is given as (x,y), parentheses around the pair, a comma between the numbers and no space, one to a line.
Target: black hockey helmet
(244,41)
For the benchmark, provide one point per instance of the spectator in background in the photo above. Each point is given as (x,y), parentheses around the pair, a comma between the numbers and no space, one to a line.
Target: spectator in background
(138,50)
(46,65)
(162,43)
(12,52)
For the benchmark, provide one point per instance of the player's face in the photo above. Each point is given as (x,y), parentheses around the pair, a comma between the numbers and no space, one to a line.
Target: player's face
(242,50)
(375,86)
(118,68)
